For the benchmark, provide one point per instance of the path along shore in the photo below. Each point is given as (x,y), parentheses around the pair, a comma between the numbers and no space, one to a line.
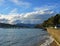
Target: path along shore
(55,33)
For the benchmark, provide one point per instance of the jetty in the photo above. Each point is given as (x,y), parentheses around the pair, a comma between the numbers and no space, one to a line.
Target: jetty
(55,33)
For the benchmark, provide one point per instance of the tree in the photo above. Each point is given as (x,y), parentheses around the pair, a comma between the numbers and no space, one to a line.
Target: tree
(56,19)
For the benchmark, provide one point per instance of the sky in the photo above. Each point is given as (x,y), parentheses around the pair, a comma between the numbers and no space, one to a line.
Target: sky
(27,11)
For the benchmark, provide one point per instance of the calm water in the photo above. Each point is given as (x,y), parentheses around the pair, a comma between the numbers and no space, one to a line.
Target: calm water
(22,37)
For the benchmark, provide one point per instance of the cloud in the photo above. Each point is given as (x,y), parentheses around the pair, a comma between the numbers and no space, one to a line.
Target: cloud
(2,2)
(34,17)
(31,21)
(38,14)
(4,20)
(45,7)
(21,3)
(14,11)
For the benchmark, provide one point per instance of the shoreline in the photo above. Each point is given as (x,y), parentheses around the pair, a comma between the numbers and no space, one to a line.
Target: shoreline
(53,44)
(47,42)
(55,33)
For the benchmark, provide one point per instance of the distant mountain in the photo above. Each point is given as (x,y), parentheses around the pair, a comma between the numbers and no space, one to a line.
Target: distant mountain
(5,25)
(26,25)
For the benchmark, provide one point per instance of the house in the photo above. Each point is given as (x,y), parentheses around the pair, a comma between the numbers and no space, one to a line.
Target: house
(57,26)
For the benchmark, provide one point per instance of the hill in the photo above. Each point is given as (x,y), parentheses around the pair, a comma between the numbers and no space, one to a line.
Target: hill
(52,21)
(5,25)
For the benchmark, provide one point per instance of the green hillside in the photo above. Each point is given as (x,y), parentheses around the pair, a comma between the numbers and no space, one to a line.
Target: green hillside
(52,21)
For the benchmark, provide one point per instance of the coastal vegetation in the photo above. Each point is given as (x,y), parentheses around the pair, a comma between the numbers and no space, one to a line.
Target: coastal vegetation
(51,22)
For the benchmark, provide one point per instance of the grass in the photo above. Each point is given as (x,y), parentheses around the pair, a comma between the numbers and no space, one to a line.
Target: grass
(55,33)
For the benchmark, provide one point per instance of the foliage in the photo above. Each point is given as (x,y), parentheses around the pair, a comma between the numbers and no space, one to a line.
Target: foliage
(54,20)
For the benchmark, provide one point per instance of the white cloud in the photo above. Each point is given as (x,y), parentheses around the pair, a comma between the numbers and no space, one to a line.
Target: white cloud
(31,21)
(14,11)
(37,16)
(21,3)
(2,2)
(44,8)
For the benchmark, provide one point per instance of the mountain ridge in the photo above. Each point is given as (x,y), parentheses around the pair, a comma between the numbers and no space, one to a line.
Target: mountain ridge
(21,25)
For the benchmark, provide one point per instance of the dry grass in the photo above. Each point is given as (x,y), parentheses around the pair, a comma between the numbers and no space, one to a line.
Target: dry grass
(55,33)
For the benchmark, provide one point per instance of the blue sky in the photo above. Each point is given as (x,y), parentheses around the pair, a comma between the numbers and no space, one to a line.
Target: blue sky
(28,9)
(23,6)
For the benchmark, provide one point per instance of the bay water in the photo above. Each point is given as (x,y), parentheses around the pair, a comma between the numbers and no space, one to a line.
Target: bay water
(23,37)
